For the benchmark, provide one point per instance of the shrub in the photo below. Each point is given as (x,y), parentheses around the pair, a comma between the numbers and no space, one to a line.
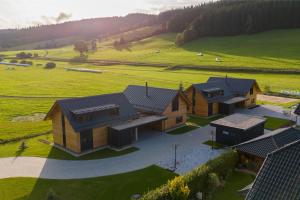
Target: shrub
(1,59)
(178,189)
(51,195)
(26,62)
(50,65)
(13,61)
(205,178)
(24,55)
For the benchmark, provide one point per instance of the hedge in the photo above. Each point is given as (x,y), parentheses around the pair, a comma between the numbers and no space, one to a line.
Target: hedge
(29,136)
(199,179)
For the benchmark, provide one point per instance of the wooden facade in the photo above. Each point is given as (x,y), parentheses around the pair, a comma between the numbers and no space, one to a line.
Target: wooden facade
(201,107)
(177,117)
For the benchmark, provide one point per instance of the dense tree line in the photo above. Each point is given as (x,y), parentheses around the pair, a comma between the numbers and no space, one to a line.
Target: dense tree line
(85,29)
(228,18)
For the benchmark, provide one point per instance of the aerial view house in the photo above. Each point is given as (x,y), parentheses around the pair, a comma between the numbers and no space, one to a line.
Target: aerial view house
(238,128)
(222,95)
(279,176)
(297,113)
(257,149)
(115,120)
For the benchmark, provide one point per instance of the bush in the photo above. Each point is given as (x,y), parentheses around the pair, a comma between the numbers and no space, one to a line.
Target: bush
(51,195)
(13,61)
(50,65)
(205,178)
(26,62)
(178,189)
(24,55)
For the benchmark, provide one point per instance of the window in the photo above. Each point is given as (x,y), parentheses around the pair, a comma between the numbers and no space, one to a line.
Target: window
(251,91)
(179,120)
(175,104)
(225,132)
(253,101)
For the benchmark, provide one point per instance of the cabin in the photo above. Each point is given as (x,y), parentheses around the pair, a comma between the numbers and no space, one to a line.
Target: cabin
(238,128)
(278,178)
(256,150)
(297,113)
(82,125)
(222,96)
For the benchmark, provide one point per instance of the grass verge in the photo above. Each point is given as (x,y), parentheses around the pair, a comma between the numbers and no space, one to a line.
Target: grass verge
(35,148)
(235,182)
(203,121)
(115,187)
(274,123)
(213,144)
(184,129)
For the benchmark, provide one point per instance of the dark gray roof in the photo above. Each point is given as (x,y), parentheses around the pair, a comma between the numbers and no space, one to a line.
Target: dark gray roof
(157,100)
(297,111)
(267,143)
(239,121)
(203,87)
(279,177)
(237,86)
(68,106)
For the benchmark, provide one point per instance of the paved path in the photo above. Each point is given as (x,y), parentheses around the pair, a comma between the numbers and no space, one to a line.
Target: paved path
(158,149)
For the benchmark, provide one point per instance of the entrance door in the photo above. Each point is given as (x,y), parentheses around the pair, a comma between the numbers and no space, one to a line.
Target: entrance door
(210,109)
(86,140)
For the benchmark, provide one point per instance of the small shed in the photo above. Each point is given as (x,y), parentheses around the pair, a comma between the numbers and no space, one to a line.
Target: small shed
(238,128)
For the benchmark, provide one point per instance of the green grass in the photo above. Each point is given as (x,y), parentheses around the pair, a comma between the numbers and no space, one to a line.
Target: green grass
(35,148)
(203,121)
(284,105)
(272,49)
(274,123)
(182,130)
(213,144)
(116,187)
(235,182)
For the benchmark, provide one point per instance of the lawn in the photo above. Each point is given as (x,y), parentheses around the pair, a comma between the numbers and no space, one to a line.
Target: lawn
(184,129)
(274,123)
(38,82)
(235,182)
(36,148)
(213,144)
(203,121)
(116,187)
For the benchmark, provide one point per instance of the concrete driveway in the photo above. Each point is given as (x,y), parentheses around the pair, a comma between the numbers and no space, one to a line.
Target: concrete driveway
(158,150)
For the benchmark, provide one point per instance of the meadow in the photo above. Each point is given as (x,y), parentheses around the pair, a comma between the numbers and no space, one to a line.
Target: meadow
(277,49)
(34,89)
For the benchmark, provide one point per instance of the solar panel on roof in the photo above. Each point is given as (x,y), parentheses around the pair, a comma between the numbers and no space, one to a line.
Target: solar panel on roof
(95,109)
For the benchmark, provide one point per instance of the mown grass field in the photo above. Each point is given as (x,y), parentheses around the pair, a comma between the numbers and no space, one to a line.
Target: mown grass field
(116,187)
(38,82)
(273,49)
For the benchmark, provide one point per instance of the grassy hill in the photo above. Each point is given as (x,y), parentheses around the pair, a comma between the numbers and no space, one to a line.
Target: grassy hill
(277,49)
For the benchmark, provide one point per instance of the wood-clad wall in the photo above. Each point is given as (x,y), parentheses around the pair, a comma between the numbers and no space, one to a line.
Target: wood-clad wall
(201,106)
(251,99)
(182,112)
(72,138)
(57,127)
(100,137)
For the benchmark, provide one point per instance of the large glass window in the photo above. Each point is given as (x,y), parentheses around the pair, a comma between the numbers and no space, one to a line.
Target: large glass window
(175,104)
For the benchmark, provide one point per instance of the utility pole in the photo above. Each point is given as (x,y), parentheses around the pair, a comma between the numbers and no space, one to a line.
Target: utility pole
(175,156)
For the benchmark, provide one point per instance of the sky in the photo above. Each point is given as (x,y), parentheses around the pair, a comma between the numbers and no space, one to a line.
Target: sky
(20,13)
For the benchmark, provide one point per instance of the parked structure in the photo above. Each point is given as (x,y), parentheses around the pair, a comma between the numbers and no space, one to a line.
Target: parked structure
(256,150)
(297,113)
(238,128)
(89,123)
(222,95)
(279,176)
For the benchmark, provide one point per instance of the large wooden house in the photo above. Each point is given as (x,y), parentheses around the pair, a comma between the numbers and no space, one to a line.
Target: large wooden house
(90,123)
(221,96)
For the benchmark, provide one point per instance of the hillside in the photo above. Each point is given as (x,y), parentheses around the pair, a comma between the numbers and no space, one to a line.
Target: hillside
(277,49)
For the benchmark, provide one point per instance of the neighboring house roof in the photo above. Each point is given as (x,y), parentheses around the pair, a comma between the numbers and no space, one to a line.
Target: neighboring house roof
(279,177)
(239,121)
(267,143)
(297,111)
(213,85)
(78,106)
(237,86)
(157,100)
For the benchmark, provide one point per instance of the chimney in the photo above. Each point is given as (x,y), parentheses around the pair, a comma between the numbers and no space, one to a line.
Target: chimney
(147,94)
(181,87)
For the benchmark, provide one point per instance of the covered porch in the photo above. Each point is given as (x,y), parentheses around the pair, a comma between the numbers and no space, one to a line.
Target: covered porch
(228,107)
(126,133)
